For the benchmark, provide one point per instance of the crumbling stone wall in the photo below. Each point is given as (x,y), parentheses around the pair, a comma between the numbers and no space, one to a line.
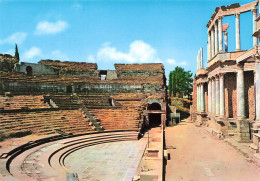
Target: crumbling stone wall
(37,69)
(7,62)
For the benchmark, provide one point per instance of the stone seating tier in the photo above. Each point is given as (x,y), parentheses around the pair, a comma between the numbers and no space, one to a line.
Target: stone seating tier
(44,122)
(113,119)
(23,102)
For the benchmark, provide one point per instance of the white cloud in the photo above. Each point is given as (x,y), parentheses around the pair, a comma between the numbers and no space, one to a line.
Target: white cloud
(57,54)
(31,53)
(139,52)
(17,37)
(176,63)
(45,27)
(91,59)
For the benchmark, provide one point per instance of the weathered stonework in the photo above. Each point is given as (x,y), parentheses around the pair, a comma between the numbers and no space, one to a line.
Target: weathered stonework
(133,96)
(232,79)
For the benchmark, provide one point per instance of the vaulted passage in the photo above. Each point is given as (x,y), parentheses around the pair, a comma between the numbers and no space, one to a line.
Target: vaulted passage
(154,106)
(154,120)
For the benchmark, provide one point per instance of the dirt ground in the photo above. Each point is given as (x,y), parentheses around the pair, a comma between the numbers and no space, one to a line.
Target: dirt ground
(196,155)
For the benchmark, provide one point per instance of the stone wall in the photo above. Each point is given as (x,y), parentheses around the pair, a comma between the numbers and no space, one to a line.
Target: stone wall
(249,94)
(37,69)
(7,62)
(230,86)
(194,101)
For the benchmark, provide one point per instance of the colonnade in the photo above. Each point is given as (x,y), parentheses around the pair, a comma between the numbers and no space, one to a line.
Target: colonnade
(216,95)
(215,35)
(200,98)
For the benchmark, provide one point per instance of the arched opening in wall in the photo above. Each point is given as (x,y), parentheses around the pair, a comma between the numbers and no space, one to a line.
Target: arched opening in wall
(154,106)
(69,89)
(29,70)
(154,120)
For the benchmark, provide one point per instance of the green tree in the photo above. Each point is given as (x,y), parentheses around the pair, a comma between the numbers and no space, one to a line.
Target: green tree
(180,82)
(17,53)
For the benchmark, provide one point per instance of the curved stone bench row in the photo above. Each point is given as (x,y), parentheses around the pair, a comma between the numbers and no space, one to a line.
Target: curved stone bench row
(46,161)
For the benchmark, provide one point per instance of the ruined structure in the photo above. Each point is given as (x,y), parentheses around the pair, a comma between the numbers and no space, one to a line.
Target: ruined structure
(77,97)
(226,95)
(79,106)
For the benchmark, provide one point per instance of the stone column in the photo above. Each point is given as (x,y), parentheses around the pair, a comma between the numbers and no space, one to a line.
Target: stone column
(240,92)
(213,96)
(254,26)
(216,38)
(202,102)
(226,41)
(209,46)
(238,32)
(217,95)
(257,90)
(198,97)
(209,97)
(221,95)
(220,34)
(212,43)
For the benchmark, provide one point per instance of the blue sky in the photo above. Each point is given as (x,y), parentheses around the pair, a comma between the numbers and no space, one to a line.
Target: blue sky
(114,31)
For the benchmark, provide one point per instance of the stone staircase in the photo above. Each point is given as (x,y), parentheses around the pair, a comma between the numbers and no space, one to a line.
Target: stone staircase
(92,120)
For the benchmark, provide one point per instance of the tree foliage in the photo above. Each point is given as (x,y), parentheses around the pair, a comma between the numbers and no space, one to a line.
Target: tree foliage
(17,53)
(180,82)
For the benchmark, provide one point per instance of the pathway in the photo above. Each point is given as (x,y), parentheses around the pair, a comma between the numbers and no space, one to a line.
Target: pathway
(196,155)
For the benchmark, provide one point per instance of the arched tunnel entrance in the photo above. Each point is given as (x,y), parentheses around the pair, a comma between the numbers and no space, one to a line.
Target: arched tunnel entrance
(154,120)
(154,115)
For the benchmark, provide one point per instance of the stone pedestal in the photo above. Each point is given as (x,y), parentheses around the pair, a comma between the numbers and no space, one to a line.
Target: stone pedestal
(201,118)
(243,135)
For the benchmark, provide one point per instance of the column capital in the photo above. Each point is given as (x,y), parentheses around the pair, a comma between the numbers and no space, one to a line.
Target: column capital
(237,15)
(221,75)
(256,56)
(220,17)
(217,77)
(254,11)
(240,66)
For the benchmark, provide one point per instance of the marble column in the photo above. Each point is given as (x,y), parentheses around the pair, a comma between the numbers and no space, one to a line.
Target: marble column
(220,34)
(209,46)
(213,96)
(198,98)
(221,95)
(240,92)
(257,90)
(216,37)
(238,32)
(209,97)
(202,101)
(226,41)
(217,95)
(212,43)
(254,26)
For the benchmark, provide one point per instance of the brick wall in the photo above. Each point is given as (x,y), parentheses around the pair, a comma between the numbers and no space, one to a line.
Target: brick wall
(249,94)
(230,95)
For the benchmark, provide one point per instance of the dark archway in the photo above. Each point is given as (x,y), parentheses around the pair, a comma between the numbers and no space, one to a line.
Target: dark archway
(69,89)
(154,106)
(154,120)
(29,70)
